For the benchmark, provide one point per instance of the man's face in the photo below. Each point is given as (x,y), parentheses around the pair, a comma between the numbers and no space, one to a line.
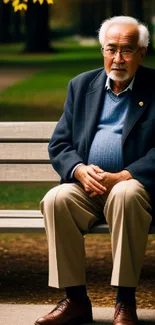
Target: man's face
(122,38)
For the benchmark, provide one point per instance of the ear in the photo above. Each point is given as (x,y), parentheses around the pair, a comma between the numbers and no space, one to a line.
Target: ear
(143,51)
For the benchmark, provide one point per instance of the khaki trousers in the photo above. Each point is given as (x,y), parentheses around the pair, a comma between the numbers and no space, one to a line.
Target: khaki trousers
(69,213)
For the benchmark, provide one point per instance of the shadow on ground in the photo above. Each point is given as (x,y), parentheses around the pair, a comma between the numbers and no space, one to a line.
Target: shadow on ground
(24,271)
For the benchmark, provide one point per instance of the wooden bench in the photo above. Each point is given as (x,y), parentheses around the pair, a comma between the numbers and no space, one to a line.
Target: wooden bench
(24,158)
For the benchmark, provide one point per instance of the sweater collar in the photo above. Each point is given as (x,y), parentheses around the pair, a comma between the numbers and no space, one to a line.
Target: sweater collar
(108,86)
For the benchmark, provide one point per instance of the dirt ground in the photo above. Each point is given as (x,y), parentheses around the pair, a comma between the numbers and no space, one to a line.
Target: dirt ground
(24,271)
(9,76)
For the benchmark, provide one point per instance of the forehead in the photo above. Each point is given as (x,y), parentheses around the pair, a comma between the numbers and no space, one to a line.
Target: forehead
(122,34)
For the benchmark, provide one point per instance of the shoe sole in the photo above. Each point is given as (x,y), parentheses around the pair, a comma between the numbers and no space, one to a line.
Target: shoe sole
(79,321)
(76,321)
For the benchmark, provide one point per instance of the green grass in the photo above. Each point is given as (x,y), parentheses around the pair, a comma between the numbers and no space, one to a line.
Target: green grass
(66,51)
(41,96)
(22,196)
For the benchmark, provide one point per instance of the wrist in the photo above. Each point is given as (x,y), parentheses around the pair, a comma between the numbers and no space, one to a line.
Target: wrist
(76,170)
(125,175)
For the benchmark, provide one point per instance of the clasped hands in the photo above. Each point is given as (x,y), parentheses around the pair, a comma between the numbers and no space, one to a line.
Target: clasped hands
(96,181)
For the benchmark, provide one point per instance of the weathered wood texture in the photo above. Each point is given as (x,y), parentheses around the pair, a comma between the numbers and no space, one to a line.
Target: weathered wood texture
(32,131)
(20,152)
(24,155)
(27,173)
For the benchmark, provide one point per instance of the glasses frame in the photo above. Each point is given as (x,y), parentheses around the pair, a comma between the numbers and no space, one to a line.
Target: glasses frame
(120,52)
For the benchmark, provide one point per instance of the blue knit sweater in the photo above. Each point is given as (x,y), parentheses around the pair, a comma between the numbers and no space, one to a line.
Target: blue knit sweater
(106,147)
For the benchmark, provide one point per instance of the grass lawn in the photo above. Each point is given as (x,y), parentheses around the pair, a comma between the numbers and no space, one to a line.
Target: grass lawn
(41,97)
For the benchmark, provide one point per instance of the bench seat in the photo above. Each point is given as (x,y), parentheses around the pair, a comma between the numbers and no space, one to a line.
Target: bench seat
(33,221)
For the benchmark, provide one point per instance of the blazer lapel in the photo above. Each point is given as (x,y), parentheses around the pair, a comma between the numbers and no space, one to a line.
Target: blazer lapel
(94,103)
(139,102)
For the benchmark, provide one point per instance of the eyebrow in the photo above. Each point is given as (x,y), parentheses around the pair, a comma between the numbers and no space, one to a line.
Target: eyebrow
(124,46)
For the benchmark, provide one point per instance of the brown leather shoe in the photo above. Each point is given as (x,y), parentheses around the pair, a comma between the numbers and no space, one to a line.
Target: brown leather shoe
(68,312)
(125,314)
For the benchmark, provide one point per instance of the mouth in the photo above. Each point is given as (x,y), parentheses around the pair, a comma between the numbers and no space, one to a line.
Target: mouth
(118,69)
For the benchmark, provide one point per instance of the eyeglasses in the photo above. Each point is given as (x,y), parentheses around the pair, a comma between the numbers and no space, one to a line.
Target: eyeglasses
(126,54)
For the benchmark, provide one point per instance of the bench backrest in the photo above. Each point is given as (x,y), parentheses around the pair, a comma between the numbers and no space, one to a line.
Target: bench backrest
(23,152)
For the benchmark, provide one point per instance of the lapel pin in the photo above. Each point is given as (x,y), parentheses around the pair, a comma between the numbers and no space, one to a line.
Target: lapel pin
(141,103)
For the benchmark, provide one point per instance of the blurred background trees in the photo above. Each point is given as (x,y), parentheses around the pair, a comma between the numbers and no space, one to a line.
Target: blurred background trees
(41,23)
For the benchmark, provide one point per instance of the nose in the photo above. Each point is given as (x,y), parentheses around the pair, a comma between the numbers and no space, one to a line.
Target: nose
(118,58)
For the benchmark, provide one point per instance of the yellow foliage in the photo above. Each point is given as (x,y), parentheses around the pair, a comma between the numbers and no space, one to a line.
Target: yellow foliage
(15,3)
(41,1)
(22,6)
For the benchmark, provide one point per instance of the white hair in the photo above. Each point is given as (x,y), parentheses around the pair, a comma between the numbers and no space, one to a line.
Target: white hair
(143,40)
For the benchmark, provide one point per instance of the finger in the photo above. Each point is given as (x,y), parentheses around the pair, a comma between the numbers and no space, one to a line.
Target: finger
(94,175)
(98,169)
(94,189)
(95,186)
(93,194)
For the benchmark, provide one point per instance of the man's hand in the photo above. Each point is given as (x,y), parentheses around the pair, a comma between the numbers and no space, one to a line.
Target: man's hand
(110,179)
(90,177)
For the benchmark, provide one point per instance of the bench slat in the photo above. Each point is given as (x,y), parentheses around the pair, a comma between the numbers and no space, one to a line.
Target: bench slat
(19,224)
(33,224)
(24,152)
(8,225)
(28,173)
(26,130)
(21,214)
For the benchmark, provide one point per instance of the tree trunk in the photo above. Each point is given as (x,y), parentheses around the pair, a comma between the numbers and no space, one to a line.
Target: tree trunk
(86,24)
(92,13)
(5,18)
(37,30)
(16,22)
(137,9)
(116,7)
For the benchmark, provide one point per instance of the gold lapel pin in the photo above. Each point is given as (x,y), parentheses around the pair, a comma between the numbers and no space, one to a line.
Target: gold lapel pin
(141,103)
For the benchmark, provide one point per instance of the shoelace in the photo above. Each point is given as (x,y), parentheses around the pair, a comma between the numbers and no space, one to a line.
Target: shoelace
(125,309)
(60,305)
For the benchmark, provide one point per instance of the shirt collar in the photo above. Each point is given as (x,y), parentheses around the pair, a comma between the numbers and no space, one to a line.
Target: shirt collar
(108,86)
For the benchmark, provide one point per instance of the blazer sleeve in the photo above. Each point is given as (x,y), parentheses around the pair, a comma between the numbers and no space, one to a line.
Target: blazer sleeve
(143,170)
(63,155)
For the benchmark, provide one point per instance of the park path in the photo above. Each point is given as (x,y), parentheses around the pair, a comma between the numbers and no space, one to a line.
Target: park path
(27,314)
(9,76)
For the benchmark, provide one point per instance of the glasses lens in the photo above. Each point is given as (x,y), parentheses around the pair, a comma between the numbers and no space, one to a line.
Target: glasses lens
(111,53)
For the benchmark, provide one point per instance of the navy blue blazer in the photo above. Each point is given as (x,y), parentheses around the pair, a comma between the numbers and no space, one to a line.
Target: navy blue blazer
(76,128)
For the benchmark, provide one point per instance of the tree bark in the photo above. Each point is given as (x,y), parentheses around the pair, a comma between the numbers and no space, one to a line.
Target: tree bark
(5,18)
(37,29)
(92,13)
(116,7)
(16,30)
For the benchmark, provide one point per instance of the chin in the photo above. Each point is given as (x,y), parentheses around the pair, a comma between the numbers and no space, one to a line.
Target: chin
(117,77)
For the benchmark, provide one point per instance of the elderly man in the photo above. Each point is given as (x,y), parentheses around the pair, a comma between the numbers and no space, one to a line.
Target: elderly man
(104,150)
